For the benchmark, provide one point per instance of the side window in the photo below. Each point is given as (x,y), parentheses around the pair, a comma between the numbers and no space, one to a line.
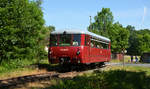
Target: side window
(105,46)
(92,43)
(97,44)
(100,45)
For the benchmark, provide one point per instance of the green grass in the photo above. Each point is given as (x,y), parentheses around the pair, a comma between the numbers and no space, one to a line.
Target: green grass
(18,67)
(14,65)
(114,78)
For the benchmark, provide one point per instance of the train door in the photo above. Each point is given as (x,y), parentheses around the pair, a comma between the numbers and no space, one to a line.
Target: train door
(92,50)
(87,48)
(106,51)
(109,52)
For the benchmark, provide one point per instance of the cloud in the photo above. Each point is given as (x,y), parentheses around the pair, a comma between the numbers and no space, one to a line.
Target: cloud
(145,12)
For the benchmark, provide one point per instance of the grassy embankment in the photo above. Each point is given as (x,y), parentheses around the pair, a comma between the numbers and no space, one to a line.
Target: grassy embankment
(112,78)
(20,68)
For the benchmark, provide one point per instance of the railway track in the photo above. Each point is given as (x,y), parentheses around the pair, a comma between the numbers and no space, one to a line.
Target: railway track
(24,79)
(13,82)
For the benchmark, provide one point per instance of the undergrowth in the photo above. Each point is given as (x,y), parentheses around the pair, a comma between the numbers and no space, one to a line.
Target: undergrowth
(18,64)
(113,79)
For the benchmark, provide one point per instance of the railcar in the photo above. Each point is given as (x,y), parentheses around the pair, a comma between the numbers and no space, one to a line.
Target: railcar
(78,47)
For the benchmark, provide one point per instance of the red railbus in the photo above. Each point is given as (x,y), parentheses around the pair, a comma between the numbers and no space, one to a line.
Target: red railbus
(78,47)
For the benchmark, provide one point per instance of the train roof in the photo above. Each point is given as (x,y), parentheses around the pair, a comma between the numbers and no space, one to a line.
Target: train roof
(81,32)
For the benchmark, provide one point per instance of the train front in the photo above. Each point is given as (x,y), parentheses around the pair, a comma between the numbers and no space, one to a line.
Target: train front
(65,48)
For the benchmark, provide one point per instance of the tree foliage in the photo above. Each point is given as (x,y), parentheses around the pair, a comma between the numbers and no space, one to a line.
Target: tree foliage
(21,25)
(103,22)
(46,34)
(103,25)
(133,41)
(138,41)
(143,41)
(119,38)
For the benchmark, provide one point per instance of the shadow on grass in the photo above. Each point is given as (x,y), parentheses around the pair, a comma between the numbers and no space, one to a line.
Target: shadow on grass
(118,79)
(49,67)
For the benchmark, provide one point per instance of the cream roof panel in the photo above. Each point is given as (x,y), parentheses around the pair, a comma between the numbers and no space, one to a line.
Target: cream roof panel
(81,32)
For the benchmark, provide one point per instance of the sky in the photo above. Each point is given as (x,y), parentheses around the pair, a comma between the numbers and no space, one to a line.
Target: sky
(74,14)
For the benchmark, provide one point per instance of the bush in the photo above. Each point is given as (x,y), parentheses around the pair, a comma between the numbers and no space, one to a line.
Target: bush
(8,66)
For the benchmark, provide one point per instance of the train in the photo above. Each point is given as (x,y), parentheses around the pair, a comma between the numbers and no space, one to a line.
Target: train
(78,47)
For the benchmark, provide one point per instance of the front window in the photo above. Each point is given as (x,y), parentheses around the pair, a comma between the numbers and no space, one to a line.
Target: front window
(64,40)
(76,40)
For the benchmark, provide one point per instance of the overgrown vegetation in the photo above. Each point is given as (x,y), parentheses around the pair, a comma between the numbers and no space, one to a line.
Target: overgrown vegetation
(14,65)
(117,78)
(20,29)
(23,67)
(22,33)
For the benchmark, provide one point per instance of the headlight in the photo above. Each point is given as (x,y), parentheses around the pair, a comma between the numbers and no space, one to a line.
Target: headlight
(78,52)
(50,52)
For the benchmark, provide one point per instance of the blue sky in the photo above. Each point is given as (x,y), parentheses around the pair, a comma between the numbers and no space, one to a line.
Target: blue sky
(74,14)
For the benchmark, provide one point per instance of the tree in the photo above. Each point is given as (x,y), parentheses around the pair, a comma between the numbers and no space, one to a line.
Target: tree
(103,25)
(143,43)
(21,23)
(138,41)
(103,22)
(133,41)
(46,34)
(119,38)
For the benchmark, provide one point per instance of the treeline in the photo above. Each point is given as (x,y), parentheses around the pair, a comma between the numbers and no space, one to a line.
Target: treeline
(123,39)
(139,41)
(22,30)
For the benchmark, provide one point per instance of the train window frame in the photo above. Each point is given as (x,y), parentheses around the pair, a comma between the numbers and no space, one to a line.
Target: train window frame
(93,40)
